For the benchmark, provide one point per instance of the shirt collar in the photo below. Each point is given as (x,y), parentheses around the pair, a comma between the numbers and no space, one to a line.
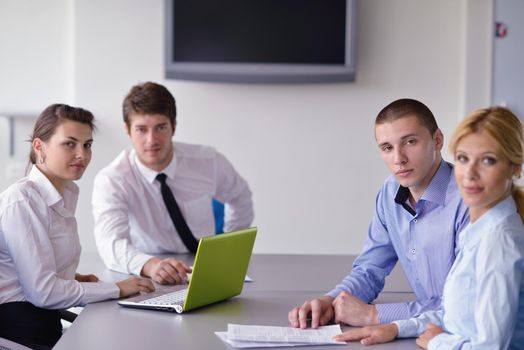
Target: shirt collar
(491,218)
(150,174)
(65,204)
(46,189)
(402,199)
(436,190)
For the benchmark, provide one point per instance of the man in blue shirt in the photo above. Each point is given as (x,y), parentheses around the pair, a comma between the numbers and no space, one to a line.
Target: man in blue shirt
(417,216)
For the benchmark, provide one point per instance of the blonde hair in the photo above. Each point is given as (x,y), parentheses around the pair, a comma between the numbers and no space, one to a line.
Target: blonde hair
(506,129)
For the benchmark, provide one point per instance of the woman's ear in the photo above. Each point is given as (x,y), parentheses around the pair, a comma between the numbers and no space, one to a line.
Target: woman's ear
(517,171)
(37,144)
(38,148)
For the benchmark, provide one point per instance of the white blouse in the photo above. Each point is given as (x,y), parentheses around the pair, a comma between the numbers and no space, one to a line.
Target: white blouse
(40,248)
(483,298)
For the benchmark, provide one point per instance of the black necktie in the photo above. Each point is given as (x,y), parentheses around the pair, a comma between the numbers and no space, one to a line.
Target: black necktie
(174,211)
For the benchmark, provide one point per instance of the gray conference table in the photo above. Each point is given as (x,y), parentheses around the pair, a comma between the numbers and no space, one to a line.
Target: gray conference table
(280,283)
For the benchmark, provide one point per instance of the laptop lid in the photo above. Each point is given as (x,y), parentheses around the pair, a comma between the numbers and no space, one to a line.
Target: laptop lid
(220,267)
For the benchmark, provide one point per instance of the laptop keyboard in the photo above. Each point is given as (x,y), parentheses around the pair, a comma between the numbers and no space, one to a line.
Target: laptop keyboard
(173,298)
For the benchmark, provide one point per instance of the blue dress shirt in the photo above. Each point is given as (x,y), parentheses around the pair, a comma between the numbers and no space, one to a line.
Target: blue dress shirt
(483,301)
(423,240)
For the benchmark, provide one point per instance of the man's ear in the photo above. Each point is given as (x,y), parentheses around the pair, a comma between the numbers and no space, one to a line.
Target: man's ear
(174,128)
(127,130)
(438,136)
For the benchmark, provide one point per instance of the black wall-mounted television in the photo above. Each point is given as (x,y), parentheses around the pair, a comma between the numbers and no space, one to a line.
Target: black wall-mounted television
(261,41)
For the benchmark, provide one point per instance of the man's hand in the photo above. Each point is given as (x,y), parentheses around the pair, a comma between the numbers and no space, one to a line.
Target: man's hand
(320,310)
(353,311)
(370,335)
(166,271)
(86,278)
(134,285)
(431,332)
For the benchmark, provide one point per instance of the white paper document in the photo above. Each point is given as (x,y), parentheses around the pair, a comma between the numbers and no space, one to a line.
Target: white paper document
(243,336)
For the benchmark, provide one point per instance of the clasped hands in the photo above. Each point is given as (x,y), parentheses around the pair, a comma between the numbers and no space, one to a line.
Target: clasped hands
(348,309)
(345,308)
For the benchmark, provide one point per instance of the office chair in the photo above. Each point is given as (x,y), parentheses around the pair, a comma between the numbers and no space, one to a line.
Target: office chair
(68,316)
(11,345)
(218,212)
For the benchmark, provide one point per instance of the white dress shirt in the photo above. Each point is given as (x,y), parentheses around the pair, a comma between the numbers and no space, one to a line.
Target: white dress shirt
(40,249)
(483,298)
(132,223)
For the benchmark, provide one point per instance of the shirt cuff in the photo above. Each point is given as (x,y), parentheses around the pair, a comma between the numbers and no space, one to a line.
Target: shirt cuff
(388,313)
(98,291)
(406,328)
(334,293)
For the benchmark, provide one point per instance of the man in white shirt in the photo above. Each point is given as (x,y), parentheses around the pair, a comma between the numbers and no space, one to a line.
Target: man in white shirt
(133,223)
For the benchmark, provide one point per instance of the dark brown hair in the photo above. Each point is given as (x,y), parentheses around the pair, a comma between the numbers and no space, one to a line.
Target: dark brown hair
(406,107)
(149,98)
(52,117)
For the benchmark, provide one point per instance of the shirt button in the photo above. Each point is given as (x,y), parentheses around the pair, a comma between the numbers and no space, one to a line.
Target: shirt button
(412,250)
(415,221)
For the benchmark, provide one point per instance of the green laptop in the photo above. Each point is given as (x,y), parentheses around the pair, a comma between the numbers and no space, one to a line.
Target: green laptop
(219,270)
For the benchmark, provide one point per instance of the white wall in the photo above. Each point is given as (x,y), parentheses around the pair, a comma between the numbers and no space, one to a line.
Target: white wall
(307,151)
(35,69)
(508,72)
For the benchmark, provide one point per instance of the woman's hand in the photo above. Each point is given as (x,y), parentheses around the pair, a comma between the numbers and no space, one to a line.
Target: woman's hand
(134,285)
(431,332)
(370,334)
(86,278)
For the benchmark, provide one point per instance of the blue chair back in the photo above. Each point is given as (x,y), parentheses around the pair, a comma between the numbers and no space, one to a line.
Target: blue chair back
(218,212)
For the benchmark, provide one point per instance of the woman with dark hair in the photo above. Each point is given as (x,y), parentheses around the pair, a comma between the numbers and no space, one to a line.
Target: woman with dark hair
(483,298)
(39,244)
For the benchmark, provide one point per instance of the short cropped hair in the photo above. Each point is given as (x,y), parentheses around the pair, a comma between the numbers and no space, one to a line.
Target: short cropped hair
(406,107)
(149,98)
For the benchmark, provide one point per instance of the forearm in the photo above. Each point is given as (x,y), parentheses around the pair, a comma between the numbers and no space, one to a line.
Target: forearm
(364,285)
(238,215)
(122,256)
(114,243)
(371,267)
(98,291)
(238,212)
(234,192)
(415,326)
(401,311)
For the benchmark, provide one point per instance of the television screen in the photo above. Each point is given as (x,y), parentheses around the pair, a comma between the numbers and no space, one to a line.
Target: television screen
(260,41)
